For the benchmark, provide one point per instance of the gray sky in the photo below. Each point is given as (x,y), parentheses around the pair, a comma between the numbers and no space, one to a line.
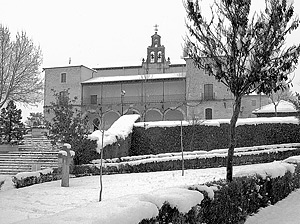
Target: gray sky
(99,33)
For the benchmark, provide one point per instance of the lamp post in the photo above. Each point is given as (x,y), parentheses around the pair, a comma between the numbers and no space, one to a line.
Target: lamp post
(123,92)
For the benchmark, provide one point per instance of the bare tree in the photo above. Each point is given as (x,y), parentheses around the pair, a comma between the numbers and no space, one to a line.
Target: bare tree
(246,53)
(282,94)
(20,60)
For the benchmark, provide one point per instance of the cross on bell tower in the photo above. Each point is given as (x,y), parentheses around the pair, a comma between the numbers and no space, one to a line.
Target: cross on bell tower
(155,52)
(156,61)
(155,28)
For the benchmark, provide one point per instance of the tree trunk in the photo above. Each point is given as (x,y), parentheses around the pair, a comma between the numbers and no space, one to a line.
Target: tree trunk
(232,137)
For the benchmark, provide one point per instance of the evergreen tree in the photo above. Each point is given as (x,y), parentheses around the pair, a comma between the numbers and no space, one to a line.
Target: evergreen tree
(246,53)
(67,126)
(35,119)
(11,127)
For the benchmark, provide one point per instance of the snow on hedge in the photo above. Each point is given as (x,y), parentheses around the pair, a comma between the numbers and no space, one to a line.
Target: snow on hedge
(38,173)
(255,150)
(272,170)
(218,122)
(121,128)
(130,209)
(293,160)
(180,198)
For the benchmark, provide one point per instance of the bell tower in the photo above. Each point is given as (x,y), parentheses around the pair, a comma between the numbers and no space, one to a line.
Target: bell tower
(155,55)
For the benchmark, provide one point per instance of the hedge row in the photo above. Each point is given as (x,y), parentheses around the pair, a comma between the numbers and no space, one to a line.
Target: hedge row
(197,163)
(30,180)
(157,140)
(233,202)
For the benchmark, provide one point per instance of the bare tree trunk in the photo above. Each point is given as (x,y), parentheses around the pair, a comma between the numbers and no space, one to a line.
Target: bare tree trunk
(181,144)
(101,164)
(276,110)
(232,137)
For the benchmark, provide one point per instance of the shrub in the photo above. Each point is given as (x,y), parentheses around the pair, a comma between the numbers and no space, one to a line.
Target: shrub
(35,178)
(197,163)
(157,140)
(233,202)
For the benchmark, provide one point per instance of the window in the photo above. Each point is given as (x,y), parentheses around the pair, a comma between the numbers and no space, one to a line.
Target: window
(152,57)
(93,99)
(207,68)
(208,113)
(63,97)
(159,56)
(63,77)
(208,92)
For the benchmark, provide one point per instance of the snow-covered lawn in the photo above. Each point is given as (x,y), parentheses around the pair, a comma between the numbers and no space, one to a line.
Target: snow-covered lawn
(50,203)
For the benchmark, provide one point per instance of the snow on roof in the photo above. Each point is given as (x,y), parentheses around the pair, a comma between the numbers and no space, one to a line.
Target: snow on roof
(283,107)
(121,128)
(69,66)
(135,77)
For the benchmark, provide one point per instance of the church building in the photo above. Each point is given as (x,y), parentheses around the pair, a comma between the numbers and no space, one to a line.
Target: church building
(157,90)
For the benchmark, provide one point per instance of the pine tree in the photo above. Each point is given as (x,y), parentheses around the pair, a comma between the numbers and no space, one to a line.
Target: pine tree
(11,127)
(67,126)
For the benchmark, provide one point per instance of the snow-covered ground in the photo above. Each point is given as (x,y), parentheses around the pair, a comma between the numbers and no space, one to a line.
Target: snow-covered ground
(124,197)
(128,198)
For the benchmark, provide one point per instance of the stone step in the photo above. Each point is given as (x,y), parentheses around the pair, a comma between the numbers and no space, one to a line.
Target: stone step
(27,157)
(12,163)
(13,171)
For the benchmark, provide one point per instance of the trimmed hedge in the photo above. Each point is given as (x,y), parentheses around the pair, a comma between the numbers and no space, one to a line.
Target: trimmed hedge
(157,140)
(31,180)
(198,163)
(233,202)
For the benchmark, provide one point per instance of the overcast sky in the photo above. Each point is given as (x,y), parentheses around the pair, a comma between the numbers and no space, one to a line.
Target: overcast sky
(99,33)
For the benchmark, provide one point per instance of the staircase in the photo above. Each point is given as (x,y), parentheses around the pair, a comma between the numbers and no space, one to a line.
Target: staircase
(25,161)
(34,154)
(40,143)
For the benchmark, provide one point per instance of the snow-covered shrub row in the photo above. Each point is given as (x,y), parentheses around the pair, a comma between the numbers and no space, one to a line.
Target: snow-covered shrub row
(193,161)
(160,139)
(201,152)
(24,179)
(233,202)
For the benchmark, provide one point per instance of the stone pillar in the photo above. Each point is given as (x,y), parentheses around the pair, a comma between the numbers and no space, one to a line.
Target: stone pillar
(66,155)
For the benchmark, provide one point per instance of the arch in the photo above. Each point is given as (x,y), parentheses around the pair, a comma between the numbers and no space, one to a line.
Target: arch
(109,118)
(152,57)
(159,56)
(132,111)
(174,115)
(208,113)
(96,124)
(153,114)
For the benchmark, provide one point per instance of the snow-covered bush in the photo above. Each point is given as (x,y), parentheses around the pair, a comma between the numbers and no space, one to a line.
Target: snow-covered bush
(160,139)
(25,179)
(193,160)
(233,202)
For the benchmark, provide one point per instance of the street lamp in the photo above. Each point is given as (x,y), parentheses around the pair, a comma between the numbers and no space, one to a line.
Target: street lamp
(123,92)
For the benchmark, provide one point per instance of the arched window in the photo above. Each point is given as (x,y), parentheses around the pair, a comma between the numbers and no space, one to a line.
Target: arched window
(152,57)
(208,113)
(159,56)
(96,124)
